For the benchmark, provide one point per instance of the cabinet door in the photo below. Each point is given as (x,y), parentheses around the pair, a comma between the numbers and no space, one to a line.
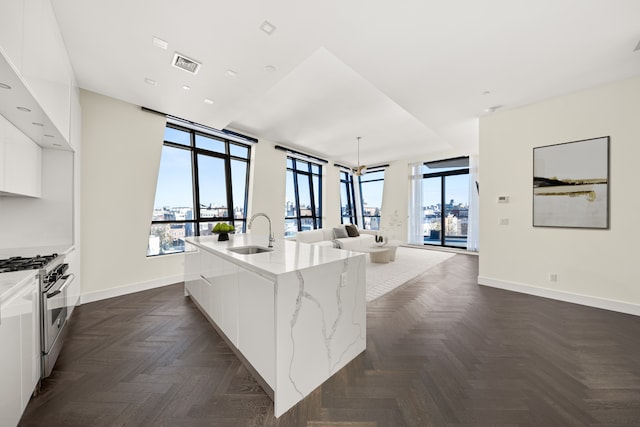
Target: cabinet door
(222,276)
(256,331)
(73,289)
(10,360)
(228,300)
(11,20)
(193,281)
(22,162)
(30,340)
(45,63)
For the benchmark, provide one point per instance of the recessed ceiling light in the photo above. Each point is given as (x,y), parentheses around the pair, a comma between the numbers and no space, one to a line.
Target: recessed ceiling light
(493,109)
(150,82)
(185,87)
(4,86)
(37,124)
(270,68)
(25,109)
(231,74)
(160,43)
(268,27)
(57,145)
(48,136)
(486,92)
(208,101)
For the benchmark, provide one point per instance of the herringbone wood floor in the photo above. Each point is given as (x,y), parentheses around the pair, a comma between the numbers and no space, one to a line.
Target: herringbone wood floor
(441,351)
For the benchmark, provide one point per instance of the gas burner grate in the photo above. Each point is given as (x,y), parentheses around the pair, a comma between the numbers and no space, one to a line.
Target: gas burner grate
(25,263)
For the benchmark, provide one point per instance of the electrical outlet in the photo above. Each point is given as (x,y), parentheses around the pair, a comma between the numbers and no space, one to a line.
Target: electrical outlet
(343,279)
(504,221)
(553,277)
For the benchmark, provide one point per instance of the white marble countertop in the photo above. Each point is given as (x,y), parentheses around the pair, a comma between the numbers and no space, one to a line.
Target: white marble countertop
(287,256)
(12,282)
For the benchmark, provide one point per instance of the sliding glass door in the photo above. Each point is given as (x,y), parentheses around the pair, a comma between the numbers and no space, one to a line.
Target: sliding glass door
(456,210)
(445,196)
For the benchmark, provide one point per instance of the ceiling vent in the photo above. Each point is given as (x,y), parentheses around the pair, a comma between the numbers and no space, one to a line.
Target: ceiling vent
(184,63)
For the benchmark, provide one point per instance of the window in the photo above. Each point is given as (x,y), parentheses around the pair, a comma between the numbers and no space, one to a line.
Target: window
(347,199)
(303,206)
(197,170)
(445,196)
(371,187)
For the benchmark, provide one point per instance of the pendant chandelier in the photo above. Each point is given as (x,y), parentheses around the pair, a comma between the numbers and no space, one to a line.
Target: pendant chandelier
(360,169)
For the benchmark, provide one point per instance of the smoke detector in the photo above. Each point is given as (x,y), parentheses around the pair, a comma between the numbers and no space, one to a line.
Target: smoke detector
(185,63)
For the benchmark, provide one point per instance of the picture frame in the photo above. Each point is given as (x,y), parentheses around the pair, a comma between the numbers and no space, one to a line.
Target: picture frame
(571,184)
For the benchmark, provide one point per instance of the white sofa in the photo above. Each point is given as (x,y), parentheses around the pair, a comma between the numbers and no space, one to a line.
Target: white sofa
(326,237)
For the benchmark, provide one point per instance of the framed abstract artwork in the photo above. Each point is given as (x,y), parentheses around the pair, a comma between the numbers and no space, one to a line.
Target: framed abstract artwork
(571,184)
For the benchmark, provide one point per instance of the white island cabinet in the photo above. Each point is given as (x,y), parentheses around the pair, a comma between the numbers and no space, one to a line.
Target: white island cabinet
(20,349)
(294,315)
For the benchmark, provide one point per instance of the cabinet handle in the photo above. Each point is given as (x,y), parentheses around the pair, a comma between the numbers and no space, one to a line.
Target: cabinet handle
(206,280)
(67,281)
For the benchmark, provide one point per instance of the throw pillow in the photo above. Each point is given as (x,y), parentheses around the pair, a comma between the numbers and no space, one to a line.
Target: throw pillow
(340,232)
(352,230)
(337,244)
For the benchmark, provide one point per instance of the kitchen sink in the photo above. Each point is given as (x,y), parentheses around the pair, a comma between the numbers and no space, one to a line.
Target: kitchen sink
(248,250)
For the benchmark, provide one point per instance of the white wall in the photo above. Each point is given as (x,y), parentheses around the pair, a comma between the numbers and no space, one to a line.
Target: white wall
(47,220)
(330,196)
(267,187)
(593,267)
(394,217)
(121,148)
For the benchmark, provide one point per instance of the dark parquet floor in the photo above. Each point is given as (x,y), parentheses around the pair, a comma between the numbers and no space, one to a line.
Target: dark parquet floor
(441,351)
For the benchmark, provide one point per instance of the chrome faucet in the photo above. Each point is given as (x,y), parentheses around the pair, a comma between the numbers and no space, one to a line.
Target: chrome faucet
(271,238)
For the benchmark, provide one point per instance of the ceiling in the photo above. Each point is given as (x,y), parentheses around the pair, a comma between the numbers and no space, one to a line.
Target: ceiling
(411,78)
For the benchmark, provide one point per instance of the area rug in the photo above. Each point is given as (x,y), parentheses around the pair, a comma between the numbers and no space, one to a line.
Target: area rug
(409,263)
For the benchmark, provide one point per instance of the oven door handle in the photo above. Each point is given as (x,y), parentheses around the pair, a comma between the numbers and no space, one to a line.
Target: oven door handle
(67,281)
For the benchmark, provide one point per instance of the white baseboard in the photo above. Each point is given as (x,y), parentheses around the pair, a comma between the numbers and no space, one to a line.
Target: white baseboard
(590,301)
(130,289)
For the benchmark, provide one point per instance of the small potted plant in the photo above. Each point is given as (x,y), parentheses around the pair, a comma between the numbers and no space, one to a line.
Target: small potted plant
(222,230)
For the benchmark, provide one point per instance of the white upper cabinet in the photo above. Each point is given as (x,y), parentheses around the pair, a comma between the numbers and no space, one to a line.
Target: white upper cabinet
(20,162)
(45,63)
(11,19)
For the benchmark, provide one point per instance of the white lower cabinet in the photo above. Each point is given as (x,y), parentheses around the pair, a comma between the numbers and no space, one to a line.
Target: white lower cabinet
(256,329)
(221,300)
(19,353)
(240,303)
(73,290)
(11,385)
(30,341)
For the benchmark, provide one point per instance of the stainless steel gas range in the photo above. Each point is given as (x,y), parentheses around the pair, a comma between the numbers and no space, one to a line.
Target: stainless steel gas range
(53,281)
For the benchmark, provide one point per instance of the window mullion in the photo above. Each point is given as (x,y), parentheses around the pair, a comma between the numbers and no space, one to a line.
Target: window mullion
(196,187)
(297,196)
(311,198)
(227,171)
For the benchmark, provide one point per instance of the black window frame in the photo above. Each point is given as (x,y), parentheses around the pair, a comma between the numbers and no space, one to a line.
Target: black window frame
(227,157)
(346,180)
(360,181)
(442,175)
(316,205)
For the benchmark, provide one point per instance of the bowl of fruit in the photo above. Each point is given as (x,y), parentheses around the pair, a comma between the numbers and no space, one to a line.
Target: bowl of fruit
(222,230)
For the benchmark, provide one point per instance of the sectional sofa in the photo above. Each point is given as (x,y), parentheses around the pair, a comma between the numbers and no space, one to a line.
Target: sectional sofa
(338,237)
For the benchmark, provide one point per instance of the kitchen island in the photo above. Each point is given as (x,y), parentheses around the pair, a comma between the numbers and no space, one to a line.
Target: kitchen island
(294,315)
